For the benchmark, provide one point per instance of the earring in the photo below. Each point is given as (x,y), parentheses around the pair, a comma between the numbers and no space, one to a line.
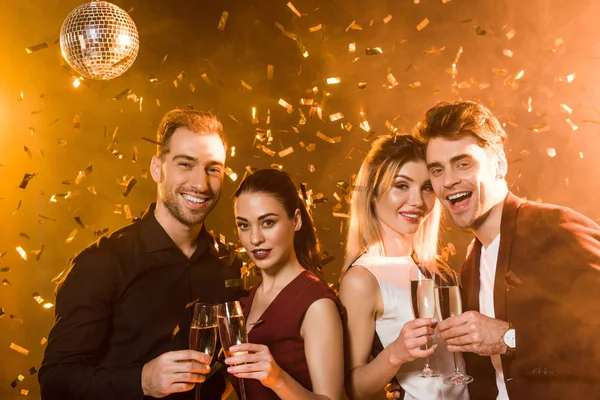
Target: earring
(499,177)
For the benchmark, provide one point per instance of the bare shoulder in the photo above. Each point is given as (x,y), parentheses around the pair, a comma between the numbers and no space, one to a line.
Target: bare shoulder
(357,282)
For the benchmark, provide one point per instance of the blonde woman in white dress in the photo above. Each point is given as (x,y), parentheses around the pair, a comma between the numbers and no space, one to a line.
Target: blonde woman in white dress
(394,218)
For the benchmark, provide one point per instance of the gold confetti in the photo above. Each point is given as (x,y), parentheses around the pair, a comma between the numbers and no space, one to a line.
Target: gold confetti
(311,147)
(529,104)
(118,209)
(524,152)
(328,139)
(24,392)
(37,47)
(551,152)
(372,51)
(266,150)
(422,24)
(21,252)
(72,235)
(294,9)
(352,47)
(414,85)
(19,349)
(507,53)
(232,175)
(480,31)
(354,26)
(286,105)
(315,28)
(520,74)
(572,124)
(559,41)
(511,34)
(127,210)
(246,86)
(391,80)
(43,341)
(333,80)
(76,82)
(436,51)
(335,117)
(311,168)
(286,152)
(269,72)
(175,331)
(18,379)
(223,21)
(232,151)
(362,85)
(206,79)
(571,77)
(566,108)
(387,19)
(340,215)
(499,71)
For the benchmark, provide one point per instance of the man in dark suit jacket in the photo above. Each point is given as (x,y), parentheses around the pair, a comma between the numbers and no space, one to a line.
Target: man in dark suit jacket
(531,326)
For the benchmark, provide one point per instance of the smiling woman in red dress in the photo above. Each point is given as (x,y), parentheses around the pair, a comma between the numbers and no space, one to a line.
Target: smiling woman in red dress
(295,348)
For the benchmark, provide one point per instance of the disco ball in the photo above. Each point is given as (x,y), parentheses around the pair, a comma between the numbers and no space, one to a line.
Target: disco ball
(99,40)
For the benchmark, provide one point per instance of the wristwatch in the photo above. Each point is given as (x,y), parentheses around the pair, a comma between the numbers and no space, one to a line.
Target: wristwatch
(510,340)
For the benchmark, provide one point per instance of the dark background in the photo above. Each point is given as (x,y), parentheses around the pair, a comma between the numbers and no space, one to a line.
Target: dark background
(187,32)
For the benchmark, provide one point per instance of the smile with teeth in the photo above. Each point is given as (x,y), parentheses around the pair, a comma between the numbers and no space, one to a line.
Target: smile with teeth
(194,199)
(458,197)
(411,215)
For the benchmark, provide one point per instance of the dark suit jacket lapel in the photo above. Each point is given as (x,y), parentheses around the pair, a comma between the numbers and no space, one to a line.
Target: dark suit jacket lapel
(470,277)
(508,226)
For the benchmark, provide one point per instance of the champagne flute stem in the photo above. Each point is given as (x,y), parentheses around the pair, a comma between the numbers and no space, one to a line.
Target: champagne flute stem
(242,390)
(456,370)
(198,388)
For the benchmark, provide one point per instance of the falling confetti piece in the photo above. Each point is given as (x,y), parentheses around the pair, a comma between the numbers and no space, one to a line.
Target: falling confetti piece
(21,252)
(391,80)
(414,85)
(223,21)
(130,184)
(206,79)
(37,47)
(571,77)
(354,26)
(266,150)
(246,86)
(43,341)
(26,179)
(286,152)
(511,34)
(18,379)
(370,51)
(19,349)
(422,24)
(122,95)
(507,53)
(315,28)
(572,124)
(286,105)
(72,235)
(269,72)
(232,175)
(362,85)
(24,392)
(335,117)
(480,31)
(387,19)
(175,331)
(294,9)
(566,108)
(328,139)
(333,80)
(551,152)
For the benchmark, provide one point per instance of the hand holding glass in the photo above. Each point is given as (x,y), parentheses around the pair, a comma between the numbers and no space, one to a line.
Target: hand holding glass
(449,304)
(203,332)
(423,304)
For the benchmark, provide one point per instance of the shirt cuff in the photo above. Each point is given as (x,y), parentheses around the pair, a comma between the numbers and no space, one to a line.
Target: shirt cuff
(127,382)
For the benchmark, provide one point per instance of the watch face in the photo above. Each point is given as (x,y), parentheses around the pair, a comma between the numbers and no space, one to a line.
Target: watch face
(509,338)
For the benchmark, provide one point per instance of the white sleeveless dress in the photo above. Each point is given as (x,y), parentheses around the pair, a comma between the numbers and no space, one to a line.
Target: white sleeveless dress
(393,275)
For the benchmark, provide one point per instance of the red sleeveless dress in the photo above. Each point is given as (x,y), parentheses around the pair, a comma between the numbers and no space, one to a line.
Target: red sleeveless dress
(279,329)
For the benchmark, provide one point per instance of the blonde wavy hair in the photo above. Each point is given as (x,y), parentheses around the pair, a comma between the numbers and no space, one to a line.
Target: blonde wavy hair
(376,175)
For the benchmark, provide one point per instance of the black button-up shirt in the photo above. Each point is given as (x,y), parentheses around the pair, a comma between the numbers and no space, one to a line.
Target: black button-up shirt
(123,303)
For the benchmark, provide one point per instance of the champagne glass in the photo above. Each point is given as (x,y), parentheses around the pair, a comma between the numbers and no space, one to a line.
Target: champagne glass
(449,304)
(232,331)
(423,304)
(203,332)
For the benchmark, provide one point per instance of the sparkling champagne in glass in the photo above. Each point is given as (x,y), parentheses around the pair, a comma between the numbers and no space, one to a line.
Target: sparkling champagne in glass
(232,331)
(449,304)
(203,332)
(423,304)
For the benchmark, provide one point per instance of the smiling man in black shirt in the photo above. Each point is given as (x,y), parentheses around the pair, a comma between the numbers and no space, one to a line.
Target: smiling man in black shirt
(121,330)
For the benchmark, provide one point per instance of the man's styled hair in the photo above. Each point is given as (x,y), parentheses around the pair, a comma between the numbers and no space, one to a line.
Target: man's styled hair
(196,121)
(455,119)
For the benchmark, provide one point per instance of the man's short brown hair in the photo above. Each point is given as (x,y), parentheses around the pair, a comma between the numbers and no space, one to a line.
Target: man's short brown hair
(196,121)
(454,119)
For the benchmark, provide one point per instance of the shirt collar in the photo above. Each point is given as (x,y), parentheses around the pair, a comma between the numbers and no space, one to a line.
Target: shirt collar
(155,238)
